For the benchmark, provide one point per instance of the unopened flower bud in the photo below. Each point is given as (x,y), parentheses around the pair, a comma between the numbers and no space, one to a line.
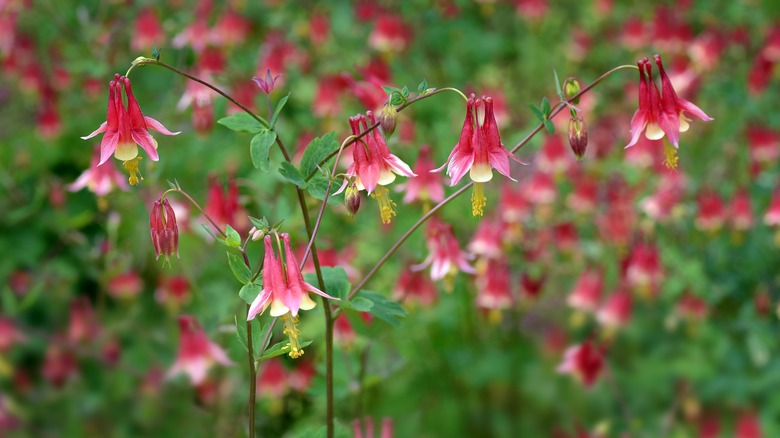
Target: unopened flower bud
(256,234)
(578,136)
(387,120)
(572,87)
(164,230)
(352,198)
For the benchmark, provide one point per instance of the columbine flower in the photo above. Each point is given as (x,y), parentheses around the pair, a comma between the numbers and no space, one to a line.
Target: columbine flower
(127,128)
(661,115)
(374,165)
(267,84)
(445,256)
(587,291)
(616,311)
(584,361)
(164,230)
(285,292)
(478,151)
(196,352)
(99,179)
(493,284)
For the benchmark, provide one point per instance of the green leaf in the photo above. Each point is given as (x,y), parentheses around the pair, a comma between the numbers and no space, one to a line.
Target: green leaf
(335,279)
(280,348)
(212,234)
(361,304)
(249,292)
(405,92)
(396,99)
(278,110)
(423,87)
(536,112)
(390,90)
(260,148)
(383,308)
(558,85)
(242,122)
(239,268)
(292,174)
(257,334)
(241,333)
(260,224)
(233,239)
(319,185)
(549,126)
(317,150)
(545,107)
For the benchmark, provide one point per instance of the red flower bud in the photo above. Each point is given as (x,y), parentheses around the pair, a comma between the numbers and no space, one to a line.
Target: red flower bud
(164,231)
(352,198)
(578,136)
(387,120)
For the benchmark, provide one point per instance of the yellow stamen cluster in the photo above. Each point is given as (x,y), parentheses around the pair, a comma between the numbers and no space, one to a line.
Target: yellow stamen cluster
(135,172)
(478,200)
(670,152)
(292,332)
(386,205)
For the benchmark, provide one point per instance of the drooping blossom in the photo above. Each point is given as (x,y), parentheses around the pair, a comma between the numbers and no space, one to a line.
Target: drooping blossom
(553,157)
(373,166)
(668,194)
(748,426)
(692,307)
(272,379)
(148,31)
(83,325)
(343,332)
(59,363)
(164,230)
(478,151)
(365,428)
(514,207)
(772,216)
(9,334)
(488,239)
(584,361)
(173,291)
(285,291)
(196,352)
(764,145)
(660,115)
(126,128)
(426,186)
(540,189)
(445,256)
(100,180)
(125,286)
(223,206)
(586,294)
(644,270)
(390,34)
(584,197)
(230,29)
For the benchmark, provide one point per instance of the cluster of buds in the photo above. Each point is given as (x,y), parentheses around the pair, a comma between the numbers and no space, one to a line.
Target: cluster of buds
(164,230)
(126,128)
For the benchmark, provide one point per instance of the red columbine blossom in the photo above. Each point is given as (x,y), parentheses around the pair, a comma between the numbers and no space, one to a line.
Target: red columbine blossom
(426,186)
(100,180)
(390,34)
(196,352)
(748,426)
(494,288)
(584,361)
(9,334)
(358,428)
(285,292)
(478,151)
(772,216)
(488,239)
(644,270)
(586,293)
(83,325)
(661,115)
(272,380)
(373,165)
(164,230)
(445,255)
(127,128)
(414,286)
(712,213)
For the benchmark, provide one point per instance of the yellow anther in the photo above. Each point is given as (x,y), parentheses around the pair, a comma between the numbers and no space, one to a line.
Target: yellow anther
(386,205)
(292,332)
(670,152)
(478,200)
(135,172)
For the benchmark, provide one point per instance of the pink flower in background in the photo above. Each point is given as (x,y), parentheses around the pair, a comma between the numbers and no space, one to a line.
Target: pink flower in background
(644,270)
(748,426)
(148,32)
(540,189)
(300,377)
(487,239)
(173,291)
(390,34)
(692,307)
(772,216)
(196,352)
(712,212)
(553,158)
(616,310)
(445,256)
(584,197)
(586,294)
(415,286)
(493,286)
(741,212)
(223,206)
(230,29)
(83,325)
(9,334)
(100,180)
(514,207)
(365,428)
(272,379)
(764,145)
(125,286)
(584,361)
(426,186)
(343,332)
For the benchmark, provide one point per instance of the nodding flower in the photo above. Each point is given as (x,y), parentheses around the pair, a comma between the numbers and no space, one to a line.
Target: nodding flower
(661,115)
(196,352)
(126,128)
(478,151)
